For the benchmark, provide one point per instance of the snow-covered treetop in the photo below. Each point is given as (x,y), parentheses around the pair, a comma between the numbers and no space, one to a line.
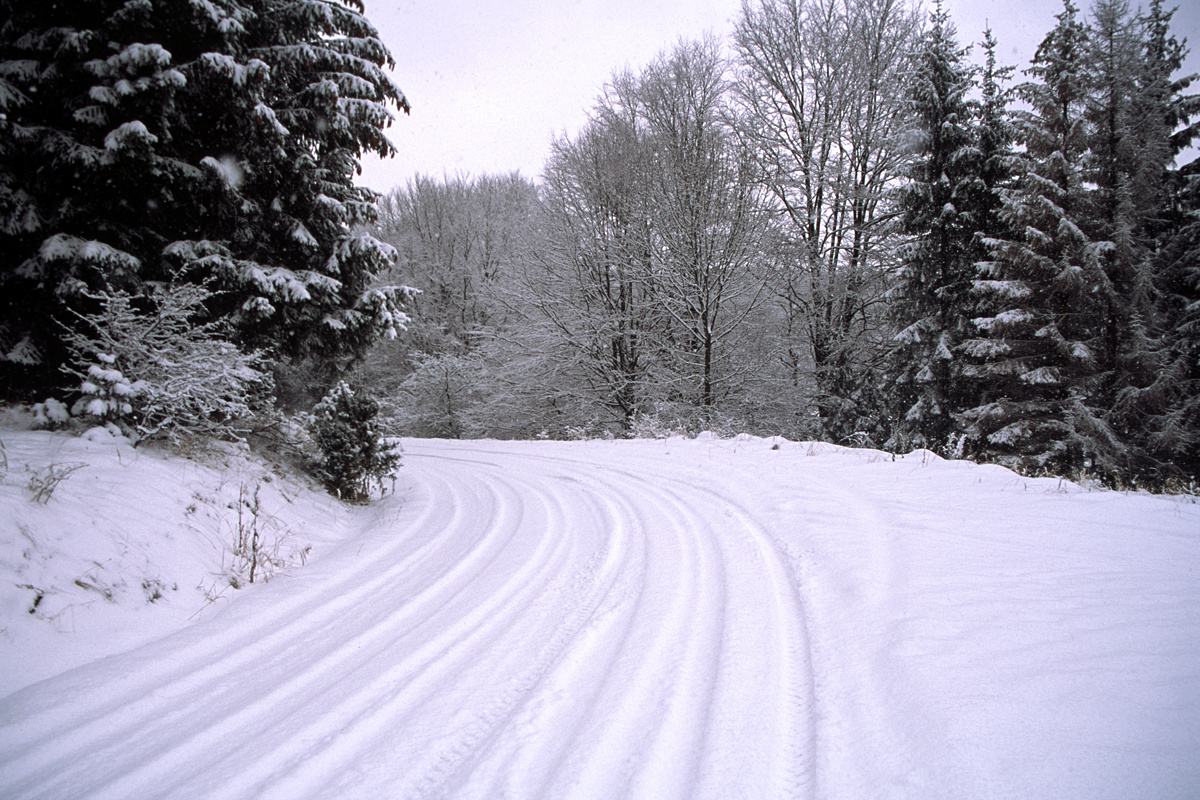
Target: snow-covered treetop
(142,140)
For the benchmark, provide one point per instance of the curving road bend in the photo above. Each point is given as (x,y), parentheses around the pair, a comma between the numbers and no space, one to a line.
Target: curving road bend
(527,622)
(669,619)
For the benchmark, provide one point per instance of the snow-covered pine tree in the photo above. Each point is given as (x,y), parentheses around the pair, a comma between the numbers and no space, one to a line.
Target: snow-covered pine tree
(1168,408)
(1044,290)
(1129,151)
(994,138)
(994,135)
(1174,436)
(354,457)
(151,141)
(931,301)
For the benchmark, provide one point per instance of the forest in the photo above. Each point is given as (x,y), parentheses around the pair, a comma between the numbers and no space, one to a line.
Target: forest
(845,223)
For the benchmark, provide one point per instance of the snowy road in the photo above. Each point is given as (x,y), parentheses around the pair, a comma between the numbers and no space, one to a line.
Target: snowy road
(670,619)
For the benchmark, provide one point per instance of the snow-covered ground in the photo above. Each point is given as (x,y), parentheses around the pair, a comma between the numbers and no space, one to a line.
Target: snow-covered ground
(651,619)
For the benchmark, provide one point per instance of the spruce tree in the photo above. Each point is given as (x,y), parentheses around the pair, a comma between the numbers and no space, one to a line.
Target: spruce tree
(145,142)
(1168,407)
(994,135)
(1173,400)
(940,201)
(355,459)
(1126,163)
(994,138)
(1044,287)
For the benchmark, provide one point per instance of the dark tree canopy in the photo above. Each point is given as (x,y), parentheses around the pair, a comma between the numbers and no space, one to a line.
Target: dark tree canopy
(942,204)
(145,143)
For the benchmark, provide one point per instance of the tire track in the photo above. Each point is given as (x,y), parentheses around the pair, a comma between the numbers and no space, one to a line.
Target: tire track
(139,725)
(668,756)
(533,624)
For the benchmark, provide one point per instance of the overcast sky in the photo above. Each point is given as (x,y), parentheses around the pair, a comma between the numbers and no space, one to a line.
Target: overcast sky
(492,82)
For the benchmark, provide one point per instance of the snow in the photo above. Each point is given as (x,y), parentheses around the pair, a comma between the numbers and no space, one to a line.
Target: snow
(229,170)
(64,247)
(1042,375)
(630,619)
(301,234)
(127,519)
(1009,318)
(1011,290)
(265,115)
(239,74)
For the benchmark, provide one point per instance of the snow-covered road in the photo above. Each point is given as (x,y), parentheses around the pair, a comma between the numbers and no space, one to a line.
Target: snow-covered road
(669,619)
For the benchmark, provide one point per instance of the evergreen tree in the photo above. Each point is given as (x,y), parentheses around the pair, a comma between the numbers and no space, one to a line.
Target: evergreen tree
(355,459)
(145,142)
(1173,399)
(994,137)
(930,302)
(1045,286)
(1129,151)
(1168,407)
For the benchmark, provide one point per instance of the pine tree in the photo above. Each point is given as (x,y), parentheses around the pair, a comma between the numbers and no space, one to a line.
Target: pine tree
(1168,407)
(355,459)
(1044,288)
(1174,436)
(1129,150)
(994,137)
(939,203)
(144,142)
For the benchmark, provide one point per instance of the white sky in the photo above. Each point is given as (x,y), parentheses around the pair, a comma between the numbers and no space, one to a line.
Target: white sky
(492,83)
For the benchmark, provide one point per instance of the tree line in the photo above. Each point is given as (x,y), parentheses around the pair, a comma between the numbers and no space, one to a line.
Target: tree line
(835,225)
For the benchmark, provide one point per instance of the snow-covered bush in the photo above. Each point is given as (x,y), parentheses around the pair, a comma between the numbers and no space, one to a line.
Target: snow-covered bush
(106,392)
(50,414)
(354,458)
(665,420)
(154,367)
(443,396)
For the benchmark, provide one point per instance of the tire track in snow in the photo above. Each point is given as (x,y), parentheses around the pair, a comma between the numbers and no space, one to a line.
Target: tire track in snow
(129,689)
(663,672)
(794,774)
(496,627)
(384,692)
(793,732)
(568,629)
(157,714)
(670,759)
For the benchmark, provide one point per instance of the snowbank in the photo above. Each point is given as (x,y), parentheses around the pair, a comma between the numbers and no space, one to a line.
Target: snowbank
(124,545)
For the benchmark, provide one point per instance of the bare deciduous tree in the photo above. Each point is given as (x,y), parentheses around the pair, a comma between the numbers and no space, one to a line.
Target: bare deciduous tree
(821,90)
(653,227)
(707,211)
(590,286)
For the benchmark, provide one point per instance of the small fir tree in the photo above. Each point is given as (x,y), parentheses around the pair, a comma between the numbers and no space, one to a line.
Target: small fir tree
(354,457)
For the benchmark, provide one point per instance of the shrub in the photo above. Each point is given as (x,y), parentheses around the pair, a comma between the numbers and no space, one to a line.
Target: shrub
(154,366)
